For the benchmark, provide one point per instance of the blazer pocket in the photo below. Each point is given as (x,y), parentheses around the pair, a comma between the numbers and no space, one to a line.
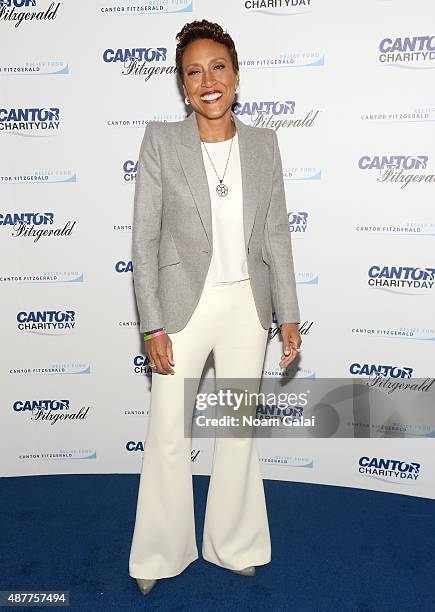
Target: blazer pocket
(168,254)
(264,255)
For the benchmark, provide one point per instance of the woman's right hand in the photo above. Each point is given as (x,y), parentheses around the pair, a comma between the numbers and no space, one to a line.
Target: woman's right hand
(159,352)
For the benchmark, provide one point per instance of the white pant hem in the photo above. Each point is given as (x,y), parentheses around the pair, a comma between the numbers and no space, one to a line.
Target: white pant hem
(166,575)
(254,563)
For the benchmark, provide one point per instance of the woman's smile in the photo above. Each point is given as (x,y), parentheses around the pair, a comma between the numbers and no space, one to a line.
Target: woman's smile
(211,96)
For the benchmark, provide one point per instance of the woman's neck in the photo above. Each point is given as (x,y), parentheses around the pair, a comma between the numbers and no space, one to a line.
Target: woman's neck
(215,130)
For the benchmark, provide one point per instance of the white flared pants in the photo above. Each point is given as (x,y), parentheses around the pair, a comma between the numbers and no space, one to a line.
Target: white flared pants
(236,529)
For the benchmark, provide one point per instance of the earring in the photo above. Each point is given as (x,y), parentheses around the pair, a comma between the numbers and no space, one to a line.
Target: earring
(237,89)
(186,100)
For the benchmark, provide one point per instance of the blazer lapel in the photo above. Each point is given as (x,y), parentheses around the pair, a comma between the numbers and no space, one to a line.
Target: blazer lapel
(190,156)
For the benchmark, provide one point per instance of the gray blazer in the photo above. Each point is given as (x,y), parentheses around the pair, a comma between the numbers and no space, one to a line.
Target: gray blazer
(172,225)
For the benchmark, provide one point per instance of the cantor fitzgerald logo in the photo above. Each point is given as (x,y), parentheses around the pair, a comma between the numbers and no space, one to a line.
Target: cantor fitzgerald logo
(41,404)
(419,114)
(58,455)
(262,114)
(52,369)
(17,11)
(416,52)
(399,169)
(145,62)
(404,280)
(400,333)
(278,7)
(288,461)
(147,7)
(26,218)
(285,59)
(389,470)
(35,225)
(45,67)
(40,176)
(371,369)
(139,445)
(397,228)
(47,322)
(52,276)
(142,122)
(30,121)
(50,411)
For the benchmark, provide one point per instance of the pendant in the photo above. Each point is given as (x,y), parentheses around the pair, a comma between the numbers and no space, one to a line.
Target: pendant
(222,190)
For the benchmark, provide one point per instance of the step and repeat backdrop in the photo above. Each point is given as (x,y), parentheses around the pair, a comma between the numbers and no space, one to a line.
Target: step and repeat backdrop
(349,88)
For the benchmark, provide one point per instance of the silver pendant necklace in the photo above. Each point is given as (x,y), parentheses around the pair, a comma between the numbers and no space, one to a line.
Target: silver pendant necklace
(221,189)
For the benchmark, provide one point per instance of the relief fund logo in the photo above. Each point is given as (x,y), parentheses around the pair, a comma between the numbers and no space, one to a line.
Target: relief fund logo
(17,11)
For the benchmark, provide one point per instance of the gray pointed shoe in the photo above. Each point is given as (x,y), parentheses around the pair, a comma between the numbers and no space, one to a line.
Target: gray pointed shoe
(145,585)
(248,571)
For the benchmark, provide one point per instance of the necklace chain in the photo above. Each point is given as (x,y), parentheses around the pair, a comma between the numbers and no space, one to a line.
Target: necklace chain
(221,189)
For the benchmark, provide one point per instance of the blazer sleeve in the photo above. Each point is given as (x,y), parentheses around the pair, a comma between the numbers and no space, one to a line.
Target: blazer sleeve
(146,232)
(278,243)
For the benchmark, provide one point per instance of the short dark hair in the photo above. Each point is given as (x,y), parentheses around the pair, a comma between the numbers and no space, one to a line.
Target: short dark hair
(203,29)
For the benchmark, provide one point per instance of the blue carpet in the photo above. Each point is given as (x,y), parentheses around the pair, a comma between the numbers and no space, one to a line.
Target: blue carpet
(332,549)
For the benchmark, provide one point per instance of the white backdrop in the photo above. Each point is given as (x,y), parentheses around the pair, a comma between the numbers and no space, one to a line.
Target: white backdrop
(354,81)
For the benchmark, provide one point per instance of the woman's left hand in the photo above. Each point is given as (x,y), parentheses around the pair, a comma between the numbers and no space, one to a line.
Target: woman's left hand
(291,340)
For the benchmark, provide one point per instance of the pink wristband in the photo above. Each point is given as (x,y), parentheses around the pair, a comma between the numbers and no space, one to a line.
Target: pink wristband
(154,334)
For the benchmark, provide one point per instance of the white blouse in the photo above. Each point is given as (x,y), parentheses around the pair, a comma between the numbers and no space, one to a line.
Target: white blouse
(228,263)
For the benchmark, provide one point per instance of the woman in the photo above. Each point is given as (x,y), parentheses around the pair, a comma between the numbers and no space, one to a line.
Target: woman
(211,255)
